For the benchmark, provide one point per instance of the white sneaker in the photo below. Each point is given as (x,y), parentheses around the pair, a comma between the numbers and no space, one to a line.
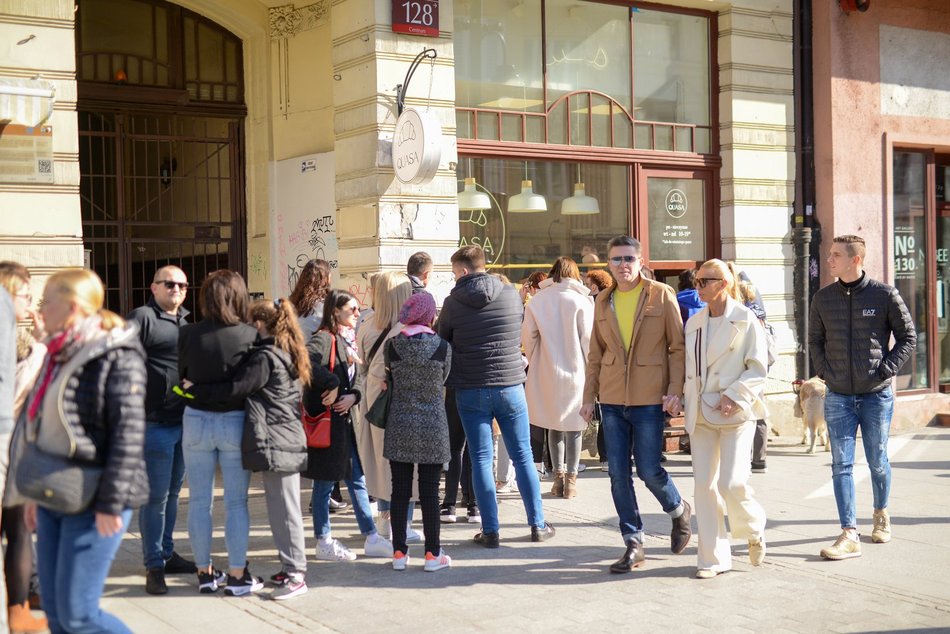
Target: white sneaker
(581,468)
(335,551)
(400,561)
(439,562)
(412,536)
(379,548)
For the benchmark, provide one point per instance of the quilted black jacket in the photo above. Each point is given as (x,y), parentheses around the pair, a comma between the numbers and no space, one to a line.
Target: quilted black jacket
(481,318)
(104,403)
(849,336)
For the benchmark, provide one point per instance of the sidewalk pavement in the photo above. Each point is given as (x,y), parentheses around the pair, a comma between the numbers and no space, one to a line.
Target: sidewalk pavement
(563,585)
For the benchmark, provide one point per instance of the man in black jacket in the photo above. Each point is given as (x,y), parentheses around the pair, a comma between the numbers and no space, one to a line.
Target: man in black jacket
(481,318)
(418,268)
(158,322)
(852,321)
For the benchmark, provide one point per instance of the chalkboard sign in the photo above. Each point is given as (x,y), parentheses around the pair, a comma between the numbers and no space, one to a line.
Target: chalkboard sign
(416,17)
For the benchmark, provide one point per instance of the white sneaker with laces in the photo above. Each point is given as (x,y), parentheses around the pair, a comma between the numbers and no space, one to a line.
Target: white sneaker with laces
(434,563)
(334,551)
(379,547)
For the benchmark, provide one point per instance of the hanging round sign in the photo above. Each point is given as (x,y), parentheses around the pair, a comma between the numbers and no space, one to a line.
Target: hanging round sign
(417,146)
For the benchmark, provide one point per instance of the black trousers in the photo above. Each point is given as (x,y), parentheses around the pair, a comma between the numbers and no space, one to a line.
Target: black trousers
(429,475)
(460,465)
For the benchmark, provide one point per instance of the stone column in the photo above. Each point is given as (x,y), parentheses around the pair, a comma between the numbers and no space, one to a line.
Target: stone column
(380,221)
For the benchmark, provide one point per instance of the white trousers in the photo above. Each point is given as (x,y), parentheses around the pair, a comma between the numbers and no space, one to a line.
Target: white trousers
(722,468)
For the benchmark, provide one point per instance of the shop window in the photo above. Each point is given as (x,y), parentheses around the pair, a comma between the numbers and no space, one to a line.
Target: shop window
(497,55)
(912,260)
(671,72)
(517,244)
(583,92)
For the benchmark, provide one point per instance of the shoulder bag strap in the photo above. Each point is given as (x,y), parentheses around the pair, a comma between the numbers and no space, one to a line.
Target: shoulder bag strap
(332,351)
(379,342)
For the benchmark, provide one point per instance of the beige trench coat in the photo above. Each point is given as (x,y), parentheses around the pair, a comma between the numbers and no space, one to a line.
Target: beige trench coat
(556,337)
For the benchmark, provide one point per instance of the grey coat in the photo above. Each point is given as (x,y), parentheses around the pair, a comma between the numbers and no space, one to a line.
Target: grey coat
(417,430)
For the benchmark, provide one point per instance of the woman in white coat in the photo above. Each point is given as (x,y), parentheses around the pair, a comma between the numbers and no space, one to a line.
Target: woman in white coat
(556,336)
(725,377)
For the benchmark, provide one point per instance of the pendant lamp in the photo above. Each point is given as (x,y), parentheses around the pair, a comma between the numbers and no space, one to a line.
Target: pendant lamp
(470,199)
(580,203)
(527,201)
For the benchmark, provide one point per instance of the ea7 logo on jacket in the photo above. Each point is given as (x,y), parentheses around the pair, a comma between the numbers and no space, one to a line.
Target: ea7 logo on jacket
(869,312)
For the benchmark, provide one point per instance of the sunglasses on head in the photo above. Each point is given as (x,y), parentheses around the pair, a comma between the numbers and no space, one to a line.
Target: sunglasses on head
(703,282)
(629,259)
(170,285)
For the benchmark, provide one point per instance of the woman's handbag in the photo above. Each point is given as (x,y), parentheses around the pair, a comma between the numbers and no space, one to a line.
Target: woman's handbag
(54,482)
(379,411)
(317,428)
(709,402)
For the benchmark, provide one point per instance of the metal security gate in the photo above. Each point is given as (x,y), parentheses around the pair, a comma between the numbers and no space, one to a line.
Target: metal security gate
(157,189)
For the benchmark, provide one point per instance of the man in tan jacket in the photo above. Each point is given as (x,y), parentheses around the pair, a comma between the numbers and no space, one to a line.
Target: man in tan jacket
(635,369)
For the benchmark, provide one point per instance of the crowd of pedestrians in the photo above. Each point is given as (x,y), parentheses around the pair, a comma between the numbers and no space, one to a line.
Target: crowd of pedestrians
(387,400)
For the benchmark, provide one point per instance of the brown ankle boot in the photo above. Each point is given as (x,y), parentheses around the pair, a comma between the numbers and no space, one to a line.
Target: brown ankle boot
(21,620)
(570,486)
(557,490)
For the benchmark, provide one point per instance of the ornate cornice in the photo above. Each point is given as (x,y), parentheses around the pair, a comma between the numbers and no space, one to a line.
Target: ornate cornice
(288,20)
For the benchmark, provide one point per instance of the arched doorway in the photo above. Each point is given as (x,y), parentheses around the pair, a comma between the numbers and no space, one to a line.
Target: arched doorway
(161,119)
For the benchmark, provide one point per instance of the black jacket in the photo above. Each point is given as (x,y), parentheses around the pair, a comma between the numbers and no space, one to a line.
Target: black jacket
(332,463)
(158,332)
(209,352)
(104,404)
(481,318)
(273,434)
(850,331)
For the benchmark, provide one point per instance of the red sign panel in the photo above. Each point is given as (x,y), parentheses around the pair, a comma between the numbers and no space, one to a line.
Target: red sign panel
(416,17)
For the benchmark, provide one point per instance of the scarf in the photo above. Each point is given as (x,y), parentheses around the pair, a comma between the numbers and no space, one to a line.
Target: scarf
(416,329)
(60,348)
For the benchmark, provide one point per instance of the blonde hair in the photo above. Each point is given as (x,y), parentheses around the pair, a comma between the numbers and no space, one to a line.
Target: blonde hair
(747,292)
(391,289)
(727,271)
(84,289)
(14,277)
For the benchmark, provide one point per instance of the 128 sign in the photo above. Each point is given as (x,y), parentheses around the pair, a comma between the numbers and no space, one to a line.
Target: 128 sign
(416,17)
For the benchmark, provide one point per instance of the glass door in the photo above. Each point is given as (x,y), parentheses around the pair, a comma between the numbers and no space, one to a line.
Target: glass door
(673,220)
(942,206)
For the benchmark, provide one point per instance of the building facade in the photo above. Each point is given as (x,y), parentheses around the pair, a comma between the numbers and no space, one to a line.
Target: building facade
(882,167)
(256,134)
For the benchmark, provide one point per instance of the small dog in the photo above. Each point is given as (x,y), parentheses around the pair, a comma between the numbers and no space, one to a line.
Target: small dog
(810,407)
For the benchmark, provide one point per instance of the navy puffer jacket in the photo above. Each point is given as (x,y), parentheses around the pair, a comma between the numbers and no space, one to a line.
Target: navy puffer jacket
(849,336)
(481,319)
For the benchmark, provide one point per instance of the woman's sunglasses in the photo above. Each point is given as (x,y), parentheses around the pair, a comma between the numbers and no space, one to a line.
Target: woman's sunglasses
(703,282)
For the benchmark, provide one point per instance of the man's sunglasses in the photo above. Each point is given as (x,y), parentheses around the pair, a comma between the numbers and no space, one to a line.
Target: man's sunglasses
(703,282)
(170,285)
(629,259)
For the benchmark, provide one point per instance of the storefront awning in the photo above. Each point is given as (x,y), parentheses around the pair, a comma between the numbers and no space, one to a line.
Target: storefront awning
(28,102)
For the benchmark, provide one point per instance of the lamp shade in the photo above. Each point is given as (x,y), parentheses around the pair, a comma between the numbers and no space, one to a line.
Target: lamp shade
(580,203)
(527,201)
(471,199)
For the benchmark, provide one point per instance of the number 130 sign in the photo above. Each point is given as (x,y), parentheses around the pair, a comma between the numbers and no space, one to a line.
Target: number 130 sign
(416,17)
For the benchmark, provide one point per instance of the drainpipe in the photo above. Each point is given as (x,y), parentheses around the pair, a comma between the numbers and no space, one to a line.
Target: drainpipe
(803,220)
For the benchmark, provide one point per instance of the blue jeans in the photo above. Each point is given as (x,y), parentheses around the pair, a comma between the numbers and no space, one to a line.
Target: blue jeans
(210,439)
(73,561)
(477,407)
(165,467)
(320,500)
(641,427)
(844,415)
